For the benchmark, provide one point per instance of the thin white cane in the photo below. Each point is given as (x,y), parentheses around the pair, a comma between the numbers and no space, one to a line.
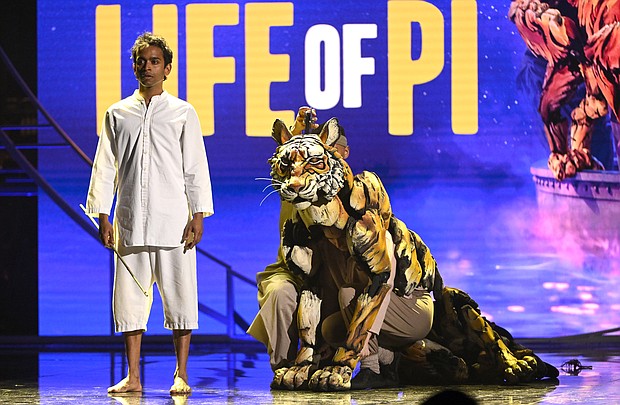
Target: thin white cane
(117,255)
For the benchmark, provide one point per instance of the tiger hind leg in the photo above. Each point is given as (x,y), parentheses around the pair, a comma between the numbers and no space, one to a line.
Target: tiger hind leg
(497,359)
(463,329)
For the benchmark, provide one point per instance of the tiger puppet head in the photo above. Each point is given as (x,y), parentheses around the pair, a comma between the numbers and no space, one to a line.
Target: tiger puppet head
(309,173)
(307,169)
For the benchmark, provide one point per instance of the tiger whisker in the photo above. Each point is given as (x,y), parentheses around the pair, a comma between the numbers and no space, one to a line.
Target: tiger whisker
(266,178)
(263,200)
(276,187)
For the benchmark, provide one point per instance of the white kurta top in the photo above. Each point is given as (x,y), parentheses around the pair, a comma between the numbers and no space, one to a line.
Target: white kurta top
(154,160)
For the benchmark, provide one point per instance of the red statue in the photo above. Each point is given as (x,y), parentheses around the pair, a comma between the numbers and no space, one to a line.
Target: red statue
(580,40)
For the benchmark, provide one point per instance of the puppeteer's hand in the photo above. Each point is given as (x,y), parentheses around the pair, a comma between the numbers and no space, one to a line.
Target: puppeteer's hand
(299,124)
(106,231)
(193,232)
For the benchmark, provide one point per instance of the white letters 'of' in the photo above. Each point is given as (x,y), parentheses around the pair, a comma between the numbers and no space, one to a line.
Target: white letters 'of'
(354,65)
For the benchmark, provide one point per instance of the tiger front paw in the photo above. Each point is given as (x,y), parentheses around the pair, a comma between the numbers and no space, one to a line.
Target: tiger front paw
(293,378)
(331,378)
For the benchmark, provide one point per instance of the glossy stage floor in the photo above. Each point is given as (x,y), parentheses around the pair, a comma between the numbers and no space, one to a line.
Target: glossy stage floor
(62,372)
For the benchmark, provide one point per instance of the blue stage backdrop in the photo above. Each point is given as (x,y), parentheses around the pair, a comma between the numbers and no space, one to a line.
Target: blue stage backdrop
(427,93)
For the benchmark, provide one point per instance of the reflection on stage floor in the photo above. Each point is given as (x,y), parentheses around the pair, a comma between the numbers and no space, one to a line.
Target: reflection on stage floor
(240,374)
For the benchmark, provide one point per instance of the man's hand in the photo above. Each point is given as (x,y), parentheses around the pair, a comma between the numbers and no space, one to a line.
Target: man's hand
(193,232)
(299,124)
(106,231)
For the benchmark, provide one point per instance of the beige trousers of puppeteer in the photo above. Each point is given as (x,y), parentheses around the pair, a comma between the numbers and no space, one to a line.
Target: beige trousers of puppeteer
(275,324)
(407,319)
(175,275)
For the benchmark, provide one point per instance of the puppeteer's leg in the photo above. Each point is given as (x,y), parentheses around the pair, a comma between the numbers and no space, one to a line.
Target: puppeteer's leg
(275,324)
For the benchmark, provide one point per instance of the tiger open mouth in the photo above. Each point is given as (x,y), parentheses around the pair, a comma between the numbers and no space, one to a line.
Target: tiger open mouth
(299,200)
(302,204)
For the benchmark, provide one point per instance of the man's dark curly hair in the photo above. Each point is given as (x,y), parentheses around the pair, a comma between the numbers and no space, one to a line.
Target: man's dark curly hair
(149,39)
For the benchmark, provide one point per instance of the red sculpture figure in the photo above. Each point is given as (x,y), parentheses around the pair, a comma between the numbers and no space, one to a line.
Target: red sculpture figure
(580,40)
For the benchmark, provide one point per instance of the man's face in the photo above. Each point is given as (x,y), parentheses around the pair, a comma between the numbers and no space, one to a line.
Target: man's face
(149,67)
(343,150)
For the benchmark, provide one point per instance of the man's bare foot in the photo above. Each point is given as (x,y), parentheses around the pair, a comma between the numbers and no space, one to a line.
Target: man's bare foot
(180,387)
(126,385)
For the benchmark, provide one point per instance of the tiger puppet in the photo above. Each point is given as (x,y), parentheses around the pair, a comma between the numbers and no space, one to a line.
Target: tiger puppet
(353,213)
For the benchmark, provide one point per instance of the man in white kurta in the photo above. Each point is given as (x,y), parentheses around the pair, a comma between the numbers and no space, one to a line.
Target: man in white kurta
(152,158)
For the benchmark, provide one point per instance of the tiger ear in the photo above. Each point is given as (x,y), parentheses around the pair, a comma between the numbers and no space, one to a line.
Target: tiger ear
(280,132)
(330,132)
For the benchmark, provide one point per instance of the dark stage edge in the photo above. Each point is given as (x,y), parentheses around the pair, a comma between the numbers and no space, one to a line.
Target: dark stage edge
(77,370)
